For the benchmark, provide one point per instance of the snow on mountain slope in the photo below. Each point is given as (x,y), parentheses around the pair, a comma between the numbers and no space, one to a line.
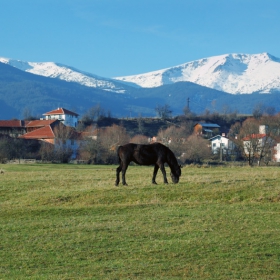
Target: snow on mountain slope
(63,72)
(232,73)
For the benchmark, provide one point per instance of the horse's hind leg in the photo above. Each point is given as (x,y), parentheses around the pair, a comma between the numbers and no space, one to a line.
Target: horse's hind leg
(124,168)
(118,170)
(155,174)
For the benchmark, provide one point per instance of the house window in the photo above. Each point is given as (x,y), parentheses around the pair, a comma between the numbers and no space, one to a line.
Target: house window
(214,145)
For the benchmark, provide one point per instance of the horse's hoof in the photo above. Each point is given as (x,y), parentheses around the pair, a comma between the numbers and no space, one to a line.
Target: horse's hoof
(154,182)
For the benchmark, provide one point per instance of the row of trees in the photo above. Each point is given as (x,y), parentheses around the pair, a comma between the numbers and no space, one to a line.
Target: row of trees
(185,145)
(14,148)
(259,110)
(188,147)
(251,144)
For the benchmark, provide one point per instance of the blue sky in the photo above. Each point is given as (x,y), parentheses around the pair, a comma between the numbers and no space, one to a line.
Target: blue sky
(125,37)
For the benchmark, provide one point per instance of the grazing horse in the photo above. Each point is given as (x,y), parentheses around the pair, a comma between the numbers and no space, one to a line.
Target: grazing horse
(152,154)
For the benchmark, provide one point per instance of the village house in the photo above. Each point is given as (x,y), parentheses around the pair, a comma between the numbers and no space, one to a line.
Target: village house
(221,142)
(260,143)
(206,129)
(55,133)
(255,141)
(276,153)
(37,124)
(42,130)
(47,130)
(13,128)
(67,117)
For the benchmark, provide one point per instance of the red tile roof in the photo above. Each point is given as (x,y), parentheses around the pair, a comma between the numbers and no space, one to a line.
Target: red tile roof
(45,132)
(40,123)
(254,136)
(60,111)
(13,123)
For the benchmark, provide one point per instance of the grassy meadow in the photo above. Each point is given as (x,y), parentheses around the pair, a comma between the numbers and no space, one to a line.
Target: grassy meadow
(71,222)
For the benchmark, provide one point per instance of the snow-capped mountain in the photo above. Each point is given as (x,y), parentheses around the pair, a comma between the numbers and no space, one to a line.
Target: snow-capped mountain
(231,73)
(66,73)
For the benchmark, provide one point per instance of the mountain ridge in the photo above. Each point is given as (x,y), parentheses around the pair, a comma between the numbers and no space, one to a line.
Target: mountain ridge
(66,73)
(46,87)
(232,73)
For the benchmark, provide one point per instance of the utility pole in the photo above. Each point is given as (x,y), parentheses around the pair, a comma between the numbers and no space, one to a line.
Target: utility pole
(188,103)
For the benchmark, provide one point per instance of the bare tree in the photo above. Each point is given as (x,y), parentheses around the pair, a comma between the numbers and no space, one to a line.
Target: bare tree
(164,112)
(102,148)
(93,114)
(64,137)
(197,149)
(258,110)
(270,111)
(92,151)
(140,123)
(247,140)
(15,148)
(47,152)
(139,139)
(110,138)
(27,114)
(188,113)
(5,153)
(175,138)
(113,136)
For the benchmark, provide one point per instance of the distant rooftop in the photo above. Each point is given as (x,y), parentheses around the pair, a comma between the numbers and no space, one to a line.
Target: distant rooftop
(61,111)
(212,125)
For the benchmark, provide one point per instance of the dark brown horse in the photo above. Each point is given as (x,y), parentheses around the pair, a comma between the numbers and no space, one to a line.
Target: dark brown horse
(154,154)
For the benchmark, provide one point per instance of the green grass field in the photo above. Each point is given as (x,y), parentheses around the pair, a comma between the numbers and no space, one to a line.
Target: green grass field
(71,222)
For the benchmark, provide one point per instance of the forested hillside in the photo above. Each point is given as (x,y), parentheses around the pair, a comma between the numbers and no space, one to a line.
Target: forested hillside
(20,90)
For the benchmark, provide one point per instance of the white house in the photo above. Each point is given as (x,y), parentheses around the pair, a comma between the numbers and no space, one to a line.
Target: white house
(67,117)
(276,153)
(223,142)
(254,143)
(257,142)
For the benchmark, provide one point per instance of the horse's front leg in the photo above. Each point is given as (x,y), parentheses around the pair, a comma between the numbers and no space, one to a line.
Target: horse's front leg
(163,173)
(155,174)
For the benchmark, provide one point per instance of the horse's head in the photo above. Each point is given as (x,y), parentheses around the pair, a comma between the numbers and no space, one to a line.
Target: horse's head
(175,175)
